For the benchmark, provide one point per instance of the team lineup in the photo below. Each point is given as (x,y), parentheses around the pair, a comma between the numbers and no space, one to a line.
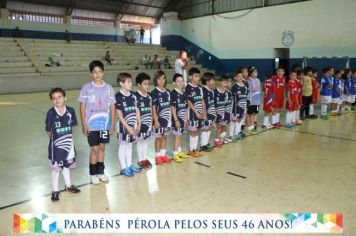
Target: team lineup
(227,105)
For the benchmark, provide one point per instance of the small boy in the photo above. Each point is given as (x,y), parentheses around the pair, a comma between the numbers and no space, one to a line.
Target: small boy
(336,94)
(61,153)
(325,93)
(353,91)
(220,98)
(346,97)
(300,77)
(208,81)
(97,113)
(240,98)
(128,124)
(228,113)
(196,111)
(144,104)
(253,108)
(292,90)
(279,81)
(315,94)
(268,100)
(179,108)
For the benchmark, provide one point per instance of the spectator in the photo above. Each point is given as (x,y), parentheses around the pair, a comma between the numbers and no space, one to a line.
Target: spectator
(181,65)
(150,62)
(145,61)
(17,32)
(108,57)
(142,34)
(166,63)
(67,36)
(156,62)
(52,61)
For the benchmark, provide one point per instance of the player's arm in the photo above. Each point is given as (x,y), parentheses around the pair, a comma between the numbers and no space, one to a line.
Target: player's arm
(128,128)
(49,134)
(175,117)
(192,107)
(138,115)
(205,116)
(113,118)
(83,118)
(347,90)
(155,117)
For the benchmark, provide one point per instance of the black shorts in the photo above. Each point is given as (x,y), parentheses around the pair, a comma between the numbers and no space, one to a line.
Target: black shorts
(252,109)
(97,137)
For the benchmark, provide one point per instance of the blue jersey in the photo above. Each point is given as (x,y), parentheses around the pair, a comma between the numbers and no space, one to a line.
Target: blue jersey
(353,86)
(144,105)
(220,103)
(127,105)
(194,94)
(208,96)
(179,102)
(337,90)
(324,86)
(240,96)
(347,86)
(162,100)
(61,147)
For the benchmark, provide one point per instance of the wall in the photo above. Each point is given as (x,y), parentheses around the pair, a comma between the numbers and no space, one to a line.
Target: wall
(321,28)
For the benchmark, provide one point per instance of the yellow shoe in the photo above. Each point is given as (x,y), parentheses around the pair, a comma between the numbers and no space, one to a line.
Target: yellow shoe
(182,154)
(177,159)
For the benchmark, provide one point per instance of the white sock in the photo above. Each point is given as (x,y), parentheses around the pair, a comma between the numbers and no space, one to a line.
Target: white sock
(158,154)
(191,143)
(129,155)
(122,155)
(139,150)
(238,127)
(202,138)
(311,109)
(231,128)
(207,138)
(277,117)
(196,140)
(265,120)
(273,119)
(55,179)
(179,149)
(294,116)
(163,152)
(145,149)
(297,116)
(289,117)
(66,176)
(324,108)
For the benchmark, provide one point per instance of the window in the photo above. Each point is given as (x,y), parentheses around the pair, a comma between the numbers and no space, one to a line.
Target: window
(36,17)
(92,22)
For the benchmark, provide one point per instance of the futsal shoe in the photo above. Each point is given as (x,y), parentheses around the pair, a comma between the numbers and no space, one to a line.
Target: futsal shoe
(194,153)
(135,169)
(72,189)
(127,172)
(242,135)
(177,159)
(103,178)
(141,164)
(147,163)
(159,160)
(166,159)
(94,179)
(209,147)
(55,196)
(182,154)
(289,126)
(218,143)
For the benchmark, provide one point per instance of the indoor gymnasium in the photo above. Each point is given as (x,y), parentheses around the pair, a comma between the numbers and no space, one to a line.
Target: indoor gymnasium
(164,117)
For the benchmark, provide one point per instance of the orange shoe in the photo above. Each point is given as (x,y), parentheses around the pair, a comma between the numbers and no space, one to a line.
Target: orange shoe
(194,153)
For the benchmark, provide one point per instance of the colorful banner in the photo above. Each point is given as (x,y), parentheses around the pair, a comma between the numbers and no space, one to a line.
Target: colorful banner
(179,223)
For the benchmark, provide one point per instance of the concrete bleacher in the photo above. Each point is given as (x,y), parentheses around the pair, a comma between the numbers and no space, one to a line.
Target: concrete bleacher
(24,70)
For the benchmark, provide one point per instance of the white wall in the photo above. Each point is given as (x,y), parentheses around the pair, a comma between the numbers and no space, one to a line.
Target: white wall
(321,28)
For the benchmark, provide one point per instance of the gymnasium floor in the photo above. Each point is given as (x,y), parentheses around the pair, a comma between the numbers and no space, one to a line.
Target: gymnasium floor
(309,169)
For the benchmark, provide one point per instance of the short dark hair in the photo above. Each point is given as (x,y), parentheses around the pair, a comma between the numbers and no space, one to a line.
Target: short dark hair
(308,69)
(242,69)
(175,76)
(142,77)
(207,76)
(326,70)
(238,72)
(122,77)
(269,75)
(56,90)
(300,72)
(94,64)
(223,78)
(251,70)
(293,72)
(157,75)
(193,71)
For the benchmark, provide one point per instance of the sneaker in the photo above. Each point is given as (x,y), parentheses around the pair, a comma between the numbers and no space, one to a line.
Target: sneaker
(72,189)
(242,135)
(103,178)
(55,196)
(324,117)
(251,132)
(289,126)
(218,143)
(298,122)
(135,169)
(229,139)
(313,116)
(166,159)
(94,179)
(147,163)
(142,164)
(182,154)
(158,160)
(224,141)
(127,172)
(209,147)
(194,153)
(177,159)
(202,149)
(276,125)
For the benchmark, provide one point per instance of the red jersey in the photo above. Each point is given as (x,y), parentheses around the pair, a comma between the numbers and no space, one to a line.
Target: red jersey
(268,99)
(278,90)
(300,94)
(315,93)
(292,88)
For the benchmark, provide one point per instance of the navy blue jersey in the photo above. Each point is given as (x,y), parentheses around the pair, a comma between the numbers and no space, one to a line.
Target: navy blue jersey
(144,104)
(162,100)
(348,85)
(194,94)
(127,105)
(220,99)
(208,96)
(61,147)
(179,101)
(240,100)
(228,106)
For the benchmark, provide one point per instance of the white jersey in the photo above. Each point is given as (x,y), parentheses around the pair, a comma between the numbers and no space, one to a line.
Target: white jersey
(180,70)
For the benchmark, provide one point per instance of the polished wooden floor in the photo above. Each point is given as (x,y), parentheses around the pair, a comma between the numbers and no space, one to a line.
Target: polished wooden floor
(311,168)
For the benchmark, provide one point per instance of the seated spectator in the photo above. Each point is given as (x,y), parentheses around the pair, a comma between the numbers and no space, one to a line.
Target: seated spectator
(108,57)
(132,40)
(150,62)
(156,62)
(145,61)
(67,36)
(166,63)
(17,33)
(53,62)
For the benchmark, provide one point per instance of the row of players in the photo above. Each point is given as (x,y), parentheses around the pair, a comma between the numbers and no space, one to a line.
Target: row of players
(141,114)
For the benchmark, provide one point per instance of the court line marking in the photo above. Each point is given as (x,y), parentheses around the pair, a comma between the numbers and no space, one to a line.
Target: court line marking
(321,135)
(237,175)
(202,164)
